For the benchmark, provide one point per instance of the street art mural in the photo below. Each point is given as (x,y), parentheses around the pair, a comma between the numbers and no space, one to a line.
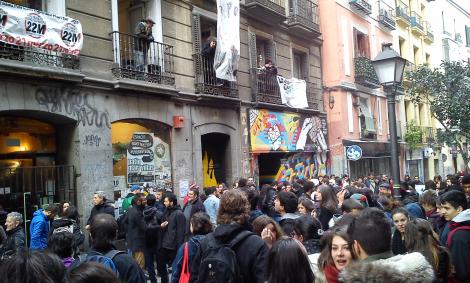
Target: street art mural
(304,165)
(284,132)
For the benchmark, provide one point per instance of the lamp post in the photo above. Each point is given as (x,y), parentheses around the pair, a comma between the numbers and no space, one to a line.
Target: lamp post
(389,67)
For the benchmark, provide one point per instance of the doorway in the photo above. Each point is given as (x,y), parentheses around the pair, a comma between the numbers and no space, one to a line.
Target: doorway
(215,157)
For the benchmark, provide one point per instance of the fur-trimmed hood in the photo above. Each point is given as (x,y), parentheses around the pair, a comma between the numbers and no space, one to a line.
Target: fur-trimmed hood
(410,268)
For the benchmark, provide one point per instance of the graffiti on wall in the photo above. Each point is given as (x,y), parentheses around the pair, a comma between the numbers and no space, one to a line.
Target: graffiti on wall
(74,103)
(280,131)
(304,165)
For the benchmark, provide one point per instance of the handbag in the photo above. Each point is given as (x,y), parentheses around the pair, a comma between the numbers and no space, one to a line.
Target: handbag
(184,275)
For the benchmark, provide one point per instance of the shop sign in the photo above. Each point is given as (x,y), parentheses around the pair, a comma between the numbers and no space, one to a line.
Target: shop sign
(23,26)
(354,152)
(272,131)
(140,158)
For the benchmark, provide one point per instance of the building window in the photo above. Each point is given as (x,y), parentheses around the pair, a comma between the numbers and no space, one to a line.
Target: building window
(361,44)
(467,35)
(366,118)
(300,63)
(33,4)
(265,50)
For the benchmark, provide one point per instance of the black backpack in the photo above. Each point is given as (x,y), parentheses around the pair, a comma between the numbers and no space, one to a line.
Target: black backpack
(219,262)
(122,222)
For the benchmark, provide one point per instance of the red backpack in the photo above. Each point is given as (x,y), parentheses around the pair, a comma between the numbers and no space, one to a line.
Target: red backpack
(451,234)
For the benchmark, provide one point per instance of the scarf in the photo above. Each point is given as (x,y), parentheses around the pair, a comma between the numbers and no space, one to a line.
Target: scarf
(331,273)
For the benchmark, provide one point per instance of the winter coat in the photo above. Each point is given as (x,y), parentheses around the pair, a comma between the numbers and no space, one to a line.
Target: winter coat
(78,235)
(3,236)
(324,216)
(39,231)
(211,204)
(460,245)
(193,246)
(196,206)
(105,207)
(136,229)
(267,206)
(253,215)
(387,268)
(14,242)
(398,244)
(437,221)
(251,253)
(153,219)
(173,234)
(312,246)
(287,222)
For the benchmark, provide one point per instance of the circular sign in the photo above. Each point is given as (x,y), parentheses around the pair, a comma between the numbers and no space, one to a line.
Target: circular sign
(354,152)
(35,25)
(70,35)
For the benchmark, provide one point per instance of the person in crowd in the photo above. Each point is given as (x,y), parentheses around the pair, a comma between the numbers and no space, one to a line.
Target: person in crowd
(63,208)
(328,201)
(192,206)
(100,205)
(286,205)
(143,39)
(103,231)
(268,194)
(3,215)
(127,202)
(305,206)
(39,228)
(70,221)
(288,263)
(62,244)
(457,231)
(308,231)
(427,200)
(136,227)
(385,191)
(466,187)
(221,188)
(419,237)
(371,234)
(159,195)
(92,272)
(33,266)
(400,217)
(351,206)
(268,229)
(336,254)
(253,196)
(3,236)
(15,240)
(200,226)
(212,203)
(153,218)
(173,232)
(250,250)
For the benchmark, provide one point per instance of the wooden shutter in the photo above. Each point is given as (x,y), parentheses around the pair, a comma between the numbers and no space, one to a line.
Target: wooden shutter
(196,33)
(305,67)
(252,49)
(271,51)
(366,46)
(356,43)
(467,35)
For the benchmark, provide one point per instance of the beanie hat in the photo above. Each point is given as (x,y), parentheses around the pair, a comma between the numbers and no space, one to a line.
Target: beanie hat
(135,188)
(361,199)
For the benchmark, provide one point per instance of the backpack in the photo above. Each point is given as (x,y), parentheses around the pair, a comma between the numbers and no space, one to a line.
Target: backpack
(451,234)
(122,226)
(64,229)
(105,259)
(219,262)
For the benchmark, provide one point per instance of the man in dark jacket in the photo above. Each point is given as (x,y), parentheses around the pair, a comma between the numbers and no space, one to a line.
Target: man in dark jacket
(100,205)
(136,229)
(267,206)
(15,235)
(173,231)
(153,219)
(251,251)
(193,205)
(103,230)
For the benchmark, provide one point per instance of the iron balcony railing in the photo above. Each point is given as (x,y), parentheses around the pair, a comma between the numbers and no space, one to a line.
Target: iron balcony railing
(402,11)
(416,21)
(137,59)
(207,82)
(277,6)
(362,5)
(39,57)
(428,30)
(386,14)
(304,12)
(429,135)
(364,73)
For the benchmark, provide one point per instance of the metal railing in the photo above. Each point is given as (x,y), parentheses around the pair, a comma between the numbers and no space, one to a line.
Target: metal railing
(386,14)
(264,86)
(277,6)
(429,135)
(402,11)
(428,30)
(416,21)
(364,73)
(138,59)
(304,12)
(40,57)
(362,5)
(207,82)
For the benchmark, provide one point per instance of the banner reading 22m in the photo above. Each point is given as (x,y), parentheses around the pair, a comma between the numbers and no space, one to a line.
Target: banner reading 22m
(23,26)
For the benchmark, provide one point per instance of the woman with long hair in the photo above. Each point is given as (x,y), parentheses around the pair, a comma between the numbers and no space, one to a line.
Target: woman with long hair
(268,229)
(306,206)
(328,201)
(336,255)
(288,263)
(400,217)
(420,237)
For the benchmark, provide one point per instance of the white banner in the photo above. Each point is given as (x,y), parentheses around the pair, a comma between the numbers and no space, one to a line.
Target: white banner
(23,26)
(140,158)
(162,164)
(227,52)
(293,92)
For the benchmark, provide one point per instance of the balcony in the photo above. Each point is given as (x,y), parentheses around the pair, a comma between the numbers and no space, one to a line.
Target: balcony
(429,38)
(429,135)
(403,14)
(364,73)
(206,81)
(417,24)
(303,18)
(151,62)
(386,16)
(362,5)
(265,89)
(269,11)
(409,67)
(368,129)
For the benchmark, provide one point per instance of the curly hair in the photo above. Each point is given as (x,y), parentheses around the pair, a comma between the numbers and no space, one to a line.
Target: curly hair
(234,207)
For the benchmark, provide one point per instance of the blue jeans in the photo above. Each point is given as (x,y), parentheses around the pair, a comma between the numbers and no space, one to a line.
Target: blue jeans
(150,257)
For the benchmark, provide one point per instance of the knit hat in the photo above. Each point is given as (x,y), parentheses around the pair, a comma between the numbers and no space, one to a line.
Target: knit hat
(135,188)
(361,198)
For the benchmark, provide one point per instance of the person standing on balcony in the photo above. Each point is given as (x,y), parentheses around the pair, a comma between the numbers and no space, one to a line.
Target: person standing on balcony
(208,55)
(144,37)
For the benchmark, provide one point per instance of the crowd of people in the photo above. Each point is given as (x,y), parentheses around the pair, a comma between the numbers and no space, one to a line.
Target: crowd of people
(330,229)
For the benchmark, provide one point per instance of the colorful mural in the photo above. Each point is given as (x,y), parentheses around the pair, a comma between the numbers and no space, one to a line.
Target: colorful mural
(305,165)
(280,131)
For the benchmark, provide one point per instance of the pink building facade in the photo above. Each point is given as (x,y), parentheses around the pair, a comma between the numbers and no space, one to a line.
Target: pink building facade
(353,33)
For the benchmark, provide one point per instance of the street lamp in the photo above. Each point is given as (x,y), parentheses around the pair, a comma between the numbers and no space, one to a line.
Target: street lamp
(389,67)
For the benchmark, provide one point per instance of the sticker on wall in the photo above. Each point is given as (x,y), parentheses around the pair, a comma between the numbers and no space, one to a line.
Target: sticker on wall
(140,158)
(162,164)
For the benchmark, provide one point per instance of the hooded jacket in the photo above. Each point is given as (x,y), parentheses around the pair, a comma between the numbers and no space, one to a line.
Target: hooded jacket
(105,207)
(78,235)
(460,245)
(383,268)
(173,234)
(39,230)
(251,253)
(14,242)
